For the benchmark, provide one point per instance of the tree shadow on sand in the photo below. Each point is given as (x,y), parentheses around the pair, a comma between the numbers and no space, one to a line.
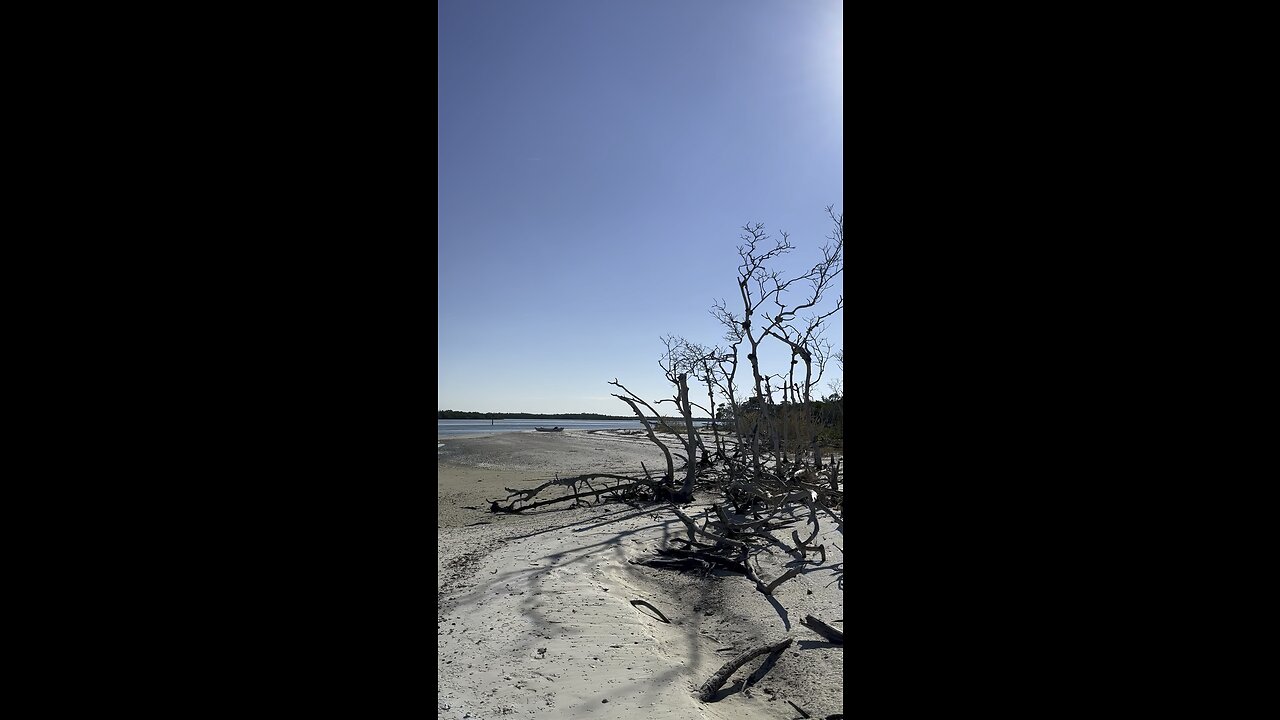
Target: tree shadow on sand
(676,594)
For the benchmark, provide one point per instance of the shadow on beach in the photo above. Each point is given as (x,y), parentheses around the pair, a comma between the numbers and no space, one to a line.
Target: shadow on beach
(541,607)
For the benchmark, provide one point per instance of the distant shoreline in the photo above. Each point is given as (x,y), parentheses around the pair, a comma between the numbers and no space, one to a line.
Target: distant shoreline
(462,415)
(459,428)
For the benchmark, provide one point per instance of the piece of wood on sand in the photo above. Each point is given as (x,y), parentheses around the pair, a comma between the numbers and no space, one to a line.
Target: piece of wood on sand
(823,629)
(646,603)
(713,684)
(798,709)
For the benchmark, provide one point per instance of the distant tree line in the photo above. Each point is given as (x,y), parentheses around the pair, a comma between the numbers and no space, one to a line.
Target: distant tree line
(466,415)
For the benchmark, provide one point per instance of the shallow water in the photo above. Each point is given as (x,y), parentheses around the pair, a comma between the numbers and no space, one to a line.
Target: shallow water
(447,428)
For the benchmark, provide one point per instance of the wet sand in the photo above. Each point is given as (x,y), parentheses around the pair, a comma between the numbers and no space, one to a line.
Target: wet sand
(535,615)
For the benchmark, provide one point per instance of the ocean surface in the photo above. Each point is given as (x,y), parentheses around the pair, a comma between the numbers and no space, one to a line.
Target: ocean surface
(449,428)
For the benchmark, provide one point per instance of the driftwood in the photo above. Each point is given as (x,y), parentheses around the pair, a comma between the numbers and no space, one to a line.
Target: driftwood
(716,540)
(823,629)
(724,561)
(750,527)
(694,530)
(768,589)
(675,558)
(714,683)
(691,543)
(707,561)
(677,564)
(804,547)
(651,607)
(813,520)
(515,496)
(631,401)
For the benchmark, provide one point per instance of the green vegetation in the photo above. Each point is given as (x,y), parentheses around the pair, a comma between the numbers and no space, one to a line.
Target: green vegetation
(794,425)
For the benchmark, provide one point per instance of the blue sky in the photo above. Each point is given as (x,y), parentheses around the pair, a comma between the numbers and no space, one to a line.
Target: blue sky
(597,160)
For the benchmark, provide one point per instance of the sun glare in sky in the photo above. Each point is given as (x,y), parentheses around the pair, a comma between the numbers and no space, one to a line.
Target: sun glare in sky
(597,162)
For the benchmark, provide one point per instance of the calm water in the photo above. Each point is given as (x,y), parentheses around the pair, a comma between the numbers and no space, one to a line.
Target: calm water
(448,428)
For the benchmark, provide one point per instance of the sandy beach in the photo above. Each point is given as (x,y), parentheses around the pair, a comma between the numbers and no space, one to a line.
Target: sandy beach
(535,613)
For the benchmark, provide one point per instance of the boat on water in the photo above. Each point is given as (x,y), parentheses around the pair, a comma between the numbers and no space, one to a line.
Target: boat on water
(550,429)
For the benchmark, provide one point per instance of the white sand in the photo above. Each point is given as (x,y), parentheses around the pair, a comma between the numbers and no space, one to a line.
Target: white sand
(561,581)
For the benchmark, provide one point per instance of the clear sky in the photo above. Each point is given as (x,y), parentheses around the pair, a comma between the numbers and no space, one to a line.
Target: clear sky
(597,160)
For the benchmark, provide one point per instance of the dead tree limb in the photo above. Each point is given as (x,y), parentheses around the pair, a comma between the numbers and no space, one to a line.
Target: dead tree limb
(694,530)
(703,566)
(798,709)
(724,520)
(749,528)
(692,560)
(821,549)
(631,401)
(691,543)
(823,629)
(768,590)
(649,605)
(714,683)
(760,584)
(524,496)
(569,482)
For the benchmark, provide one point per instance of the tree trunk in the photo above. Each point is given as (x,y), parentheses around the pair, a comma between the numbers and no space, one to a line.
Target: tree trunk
(774,435)
(671,466)
(754,358)
(691,443)
(711,403)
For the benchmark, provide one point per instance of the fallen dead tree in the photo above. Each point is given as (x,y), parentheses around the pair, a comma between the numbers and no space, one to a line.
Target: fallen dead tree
(732,546)
(626,488)
(767,477)
(768,503)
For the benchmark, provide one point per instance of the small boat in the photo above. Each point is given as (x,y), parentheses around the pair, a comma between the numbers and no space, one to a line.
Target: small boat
(550,429)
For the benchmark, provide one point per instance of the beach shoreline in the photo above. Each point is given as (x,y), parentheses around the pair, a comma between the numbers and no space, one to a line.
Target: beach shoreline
(535,615)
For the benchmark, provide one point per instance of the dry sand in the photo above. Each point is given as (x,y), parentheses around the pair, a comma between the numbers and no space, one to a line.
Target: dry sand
(535,617)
